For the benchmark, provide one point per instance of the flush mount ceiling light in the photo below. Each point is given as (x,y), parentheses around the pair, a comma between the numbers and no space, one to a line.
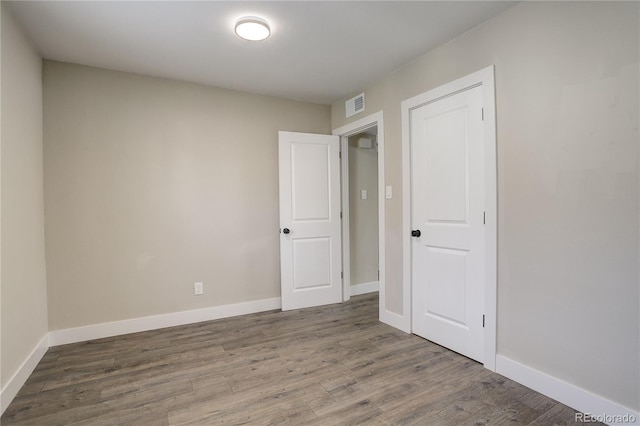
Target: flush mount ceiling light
(252,28)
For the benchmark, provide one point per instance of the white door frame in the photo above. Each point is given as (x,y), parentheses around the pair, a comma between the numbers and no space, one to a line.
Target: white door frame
(484,78)
(358,126)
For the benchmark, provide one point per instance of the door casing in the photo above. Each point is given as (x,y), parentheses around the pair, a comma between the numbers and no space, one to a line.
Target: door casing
(485,79)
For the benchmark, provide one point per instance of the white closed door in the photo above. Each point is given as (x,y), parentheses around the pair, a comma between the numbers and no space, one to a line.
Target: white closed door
(310,229)
(447,217)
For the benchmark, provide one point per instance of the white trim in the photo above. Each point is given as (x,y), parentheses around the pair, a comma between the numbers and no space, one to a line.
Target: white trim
(346,230)
(566,393)
(135,325)
(365,288)
(485,78)
(406,217)
(491,218)
(19,378)
(375,119)
(395,320)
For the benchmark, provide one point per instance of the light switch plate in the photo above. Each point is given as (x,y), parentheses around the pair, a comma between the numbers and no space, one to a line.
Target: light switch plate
(388,192)
(363,194)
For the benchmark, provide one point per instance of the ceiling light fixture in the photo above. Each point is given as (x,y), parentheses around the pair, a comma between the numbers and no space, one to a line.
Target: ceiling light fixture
(252,28)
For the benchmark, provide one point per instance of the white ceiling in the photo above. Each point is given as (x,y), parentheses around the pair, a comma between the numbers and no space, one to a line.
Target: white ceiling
(319,51)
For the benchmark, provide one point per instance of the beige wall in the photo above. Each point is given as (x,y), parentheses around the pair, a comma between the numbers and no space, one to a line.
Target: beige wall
(154,184)
(568,238)
(23,274)
(363,214)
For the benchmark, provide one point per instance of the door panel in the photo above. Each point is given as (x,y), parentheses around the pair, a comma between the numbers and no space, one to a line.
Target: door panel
(310,181)
(311,262)
(447,179)
(446,270)
(310,254)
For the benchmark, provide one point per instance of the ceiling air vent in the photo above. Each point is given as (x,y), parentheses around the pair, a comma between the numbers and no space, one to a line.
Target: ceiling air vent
(354,105)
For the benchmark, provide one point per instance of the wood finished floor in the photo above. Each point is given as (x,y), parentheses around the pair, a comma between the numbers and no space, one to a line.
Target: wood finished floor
(333,365)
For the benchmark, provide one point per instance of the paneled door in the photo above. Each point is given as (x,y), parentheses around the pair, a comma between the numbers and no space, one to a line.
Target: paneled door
(447,219)
(310,229)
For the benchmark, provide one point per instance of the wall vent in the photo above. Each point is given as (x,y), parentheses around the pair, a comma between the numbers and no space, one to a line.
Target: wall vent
(354,105)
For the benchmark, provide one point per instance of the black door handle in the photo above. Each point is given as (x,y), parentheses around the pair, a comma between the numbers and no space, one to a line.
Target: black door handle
(286,231)
(416,233)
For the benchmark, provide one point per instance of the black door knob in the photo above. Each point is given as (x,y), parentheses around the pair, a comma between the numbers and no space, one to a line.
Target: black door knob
(416,233)
(286,231)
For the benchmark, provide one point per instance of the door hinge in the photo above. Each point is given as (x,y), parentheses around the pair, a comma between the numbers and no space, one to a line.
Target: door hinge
(484,218)
(482,114)
(340,215)
(378,275)
(482,320)
(341,274)
(340,155)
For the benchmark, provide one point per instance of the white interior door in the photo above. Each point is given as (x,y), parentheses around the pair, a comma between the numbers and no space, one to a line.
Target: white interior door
(310,256)
(447,218)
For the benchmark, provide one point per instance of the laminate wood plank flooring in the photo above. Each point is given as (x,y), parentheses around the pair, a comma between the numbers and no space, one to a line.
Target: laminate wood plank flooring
(332,365)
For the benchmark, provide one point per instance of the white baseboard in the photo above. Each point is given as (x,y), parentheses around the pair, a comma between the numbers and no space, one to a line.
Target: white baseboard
(364,288)
(10,390)
(395,320)
(135,325)
(575,397)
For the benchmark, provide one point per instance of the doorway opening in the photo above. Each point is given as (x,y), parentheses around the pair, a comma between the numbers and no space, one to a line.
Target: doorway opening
(370,127)
(360,213)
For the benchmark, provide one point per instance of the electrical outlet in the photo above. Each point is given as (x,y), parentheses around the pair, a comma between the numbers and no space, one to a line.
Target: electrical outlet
(198,289)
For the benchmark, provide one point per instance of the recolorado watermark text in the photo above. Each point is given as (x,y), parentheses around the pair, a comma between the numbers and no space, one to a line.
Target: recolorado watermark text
(604,418)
